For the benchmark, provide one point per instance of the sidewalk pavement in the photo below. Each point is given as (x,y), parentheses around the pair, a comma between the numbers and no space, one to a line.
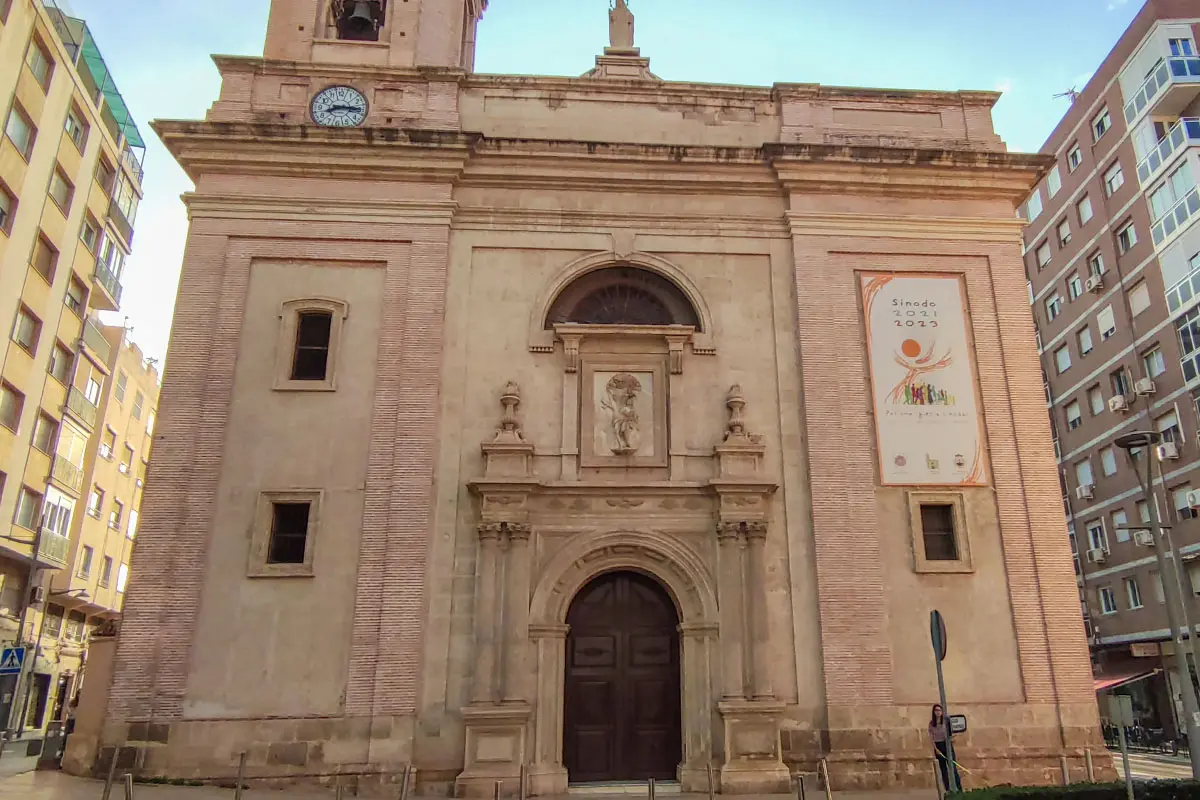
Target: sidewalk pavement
(57,786)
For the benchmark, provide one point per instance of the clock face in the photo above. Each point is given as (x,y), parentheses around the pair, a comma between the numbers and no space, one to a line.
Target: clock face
(339,107)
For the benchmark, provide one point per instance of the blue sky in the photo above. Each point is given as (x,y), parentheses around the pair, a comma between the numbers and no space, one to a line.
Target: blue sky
(1029,49)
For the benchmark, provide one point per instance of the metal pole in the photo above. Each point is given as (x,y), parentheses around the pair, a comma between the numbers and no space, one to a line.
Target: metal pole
(799,785)
(128,786)
(237,792)
(112,774)
(712,788)
(1185,583)
(825,777)
(650,788)
(951,774)
(1066,770)
(496,791)
(1125,762)
(404,782)
(524,780)
(1174,606)
(1091,771)
(21,689)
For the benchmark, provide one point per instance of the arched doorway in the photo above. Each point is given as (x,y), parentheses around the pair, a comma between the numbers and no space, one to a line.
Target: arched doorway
(621,718)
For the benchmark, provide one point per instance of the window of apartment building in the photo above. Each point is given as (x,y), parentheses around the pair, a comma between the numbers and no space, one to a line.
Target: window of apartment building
(1119,378)
(1062,359)
(60,363)
(1042,254)
(1084,207)
(1054,181)
(77,127)
(89,233)
(26,330)
(1033,206)
(1084,337)
(20,130)
(1164,198)
(1054,304)
(62,190)
(311,357)
(131,528)
(1143,510)
(108,443)
(1183,511)
(76,296)
(76,627)
(52,627)
(1108,461)
(1133,593)
(1120,526)
(12,403)
(1074,158)
(126,461)
(1095,264)
(106,175)
(1095,400)
(938,532)
(1114,178)
(45,433)
(41,66)
(29,507)
(85,562)
(44,259)
(1154,363)
(1106,322)
(1064,233)
(1100,124)
(1096,538)
(114,516)
(1126,238)
(1168,426)
(95,502)
(92,390)
(1083,473)
(1160,595)
(106,571)
(139,400)
(1181,47)
(1074,286)
(1139,298)
(8,209)
(289,531)
(1108,600)
(119,389)
(150,424)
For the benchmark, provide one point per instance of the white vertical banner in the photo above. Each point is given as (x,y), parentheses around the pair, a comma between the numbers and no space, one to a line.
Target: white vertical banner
(927,421)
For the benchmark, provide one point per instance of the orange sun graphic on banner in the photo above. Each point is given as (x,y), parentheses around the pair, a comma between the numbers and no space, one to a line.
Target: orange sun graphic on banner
(910,348)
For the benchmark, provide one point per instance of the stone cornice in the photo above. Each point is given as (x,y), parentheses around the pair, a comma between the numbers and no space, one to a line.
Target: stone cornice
(560,219)
(866,226)
(365,209)
(357,72)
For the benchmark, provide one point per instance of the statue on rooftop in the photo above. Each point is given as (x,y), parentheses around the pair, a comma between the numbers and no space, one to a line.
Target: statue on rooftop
(620,26)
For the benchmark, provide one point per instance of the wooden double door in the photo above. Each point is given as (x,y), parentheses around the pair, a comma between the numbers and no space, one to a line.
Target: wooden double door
(622,701)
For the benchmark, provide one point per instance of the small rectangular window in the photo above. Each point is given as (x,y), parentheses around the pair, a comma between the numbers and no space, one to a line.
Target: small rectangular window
(312,346)
(1074,286)
(138,400)
(29,507)
(289,533)
(1106,322)
(60,363)
(1183,510)
(1084,207)
(92,390)
(1139,298)
(76,296)
(27,330)
(1114,179)
(1120,523)
(77,127)
(1064,233)
(1054,304)
(1033,206)
(1100,124)
(1053,181)
(1083,473)
(1043,255)
(122,382)
(1062,359)
(1120,381)
(1074,415)
(1096,264)
(1154,362)
(45,433)
(12,403)
(41,66)
(1095,401)
(62,191)
(106,571)
(85,562)
(20,131)
(1126,238)
(89,233)
(44,259)
(8,209)
(1133,592)
(127,461)
(1108,462)
(95,502)
(114,516)
(1074,158)
(1085,340)
(937,530)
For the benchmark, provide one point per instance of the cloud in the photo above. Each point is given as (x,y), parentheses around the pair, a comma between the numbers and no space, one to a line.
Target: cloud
(1115,4)
(1004,85)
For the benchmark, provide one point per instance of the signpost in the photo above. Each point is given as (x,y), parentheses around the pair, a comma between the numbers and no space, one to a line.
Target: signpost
(1120,713)
(937,633)
(11,660)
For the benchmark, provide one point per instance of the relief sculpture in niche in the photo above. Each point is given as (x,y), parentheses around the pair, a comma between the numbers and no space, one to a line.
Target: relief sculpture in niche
(626,406)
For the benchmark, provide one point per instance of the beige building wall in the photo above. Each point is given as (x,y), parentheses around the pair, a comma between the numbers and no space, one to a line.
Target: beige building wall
(69,184)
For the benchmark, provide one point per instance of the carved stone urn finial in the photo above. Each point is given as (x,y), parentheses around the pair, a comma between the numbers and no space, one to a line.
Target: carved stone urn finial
(510,427)
(736,403)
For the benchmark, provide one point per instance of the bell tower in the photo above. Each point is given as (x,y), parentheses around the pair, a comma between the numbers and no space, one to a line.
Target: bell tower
(382,33)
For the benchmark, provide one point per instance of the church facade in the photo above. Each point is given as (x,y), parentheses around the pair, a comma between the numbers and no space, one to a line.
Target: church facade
(593,429)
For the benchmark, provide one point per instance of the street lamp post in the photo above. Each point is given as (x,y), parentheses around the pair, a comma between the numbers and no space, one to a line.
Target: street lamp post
(1145,441)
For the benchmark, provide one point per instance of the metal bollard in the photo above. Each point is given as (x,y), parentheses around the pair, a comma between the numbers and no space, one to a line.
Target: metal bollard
(937,779)
(241,775)
(799,786)
(496,791)
(112,775)
(404,782)
(825,777)
(524,781)
(712,788)
(1066,770)
(1091,770)
(128,786)
(650,788)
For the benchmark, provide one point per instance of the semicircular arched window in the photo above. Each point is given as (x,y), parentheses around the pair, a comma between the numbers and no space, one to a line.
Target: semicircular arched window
(622,296)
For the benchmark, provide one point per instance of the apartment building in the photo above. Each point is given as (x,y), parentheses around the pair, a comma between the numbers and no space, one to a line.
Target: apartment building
(70,178)
(1112,252)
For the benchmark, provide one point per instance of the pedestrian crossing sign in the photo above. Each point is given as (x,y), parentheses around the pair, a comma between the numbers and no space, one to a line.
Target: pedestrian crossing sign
(11,659)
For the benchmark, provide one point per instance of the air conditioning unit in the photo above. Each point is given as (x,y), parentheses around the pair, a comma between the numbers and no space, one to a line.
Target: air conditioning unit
(1094,284)
(1143,386)
(1168,451)
(1084,492)
(1097,556)
(1118,403)
(1143,538)
(1193,499)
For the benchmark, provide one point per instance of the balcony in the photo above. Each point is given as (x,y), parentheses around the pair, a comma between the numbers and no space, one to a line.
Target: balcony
(94,340)
(120,222)
(1177,217)
(67,475)
(1172,84)
(1184,133)
(54,549)
(106,289)
(83,409)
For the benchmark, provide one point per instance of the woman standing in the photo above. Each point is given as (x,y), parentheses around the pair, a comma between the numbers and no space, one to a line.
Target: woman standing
(938,733)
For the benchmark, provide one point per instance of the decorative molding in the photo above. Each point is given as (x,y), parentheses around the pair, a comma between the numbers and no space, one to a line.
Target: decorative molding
(364,209)
(865,226)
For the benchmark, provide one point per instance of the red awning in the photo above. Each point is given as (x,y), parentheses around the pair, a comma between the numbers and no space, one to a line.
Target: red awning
(1112,680)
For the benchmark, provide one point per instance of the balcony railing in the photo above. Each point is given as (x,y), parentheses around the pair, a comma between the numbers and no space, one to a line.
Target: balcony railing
(120,221)
(1184,133)
(80,406)
(53,548)
(67,474)
(1173,68)
(94,339)
(1177,217)
(108,280)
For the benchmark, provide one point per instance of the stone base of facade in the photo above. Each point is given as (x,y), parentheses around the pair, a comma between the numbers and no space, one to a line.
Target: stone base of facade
(495,749)
(753,750)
